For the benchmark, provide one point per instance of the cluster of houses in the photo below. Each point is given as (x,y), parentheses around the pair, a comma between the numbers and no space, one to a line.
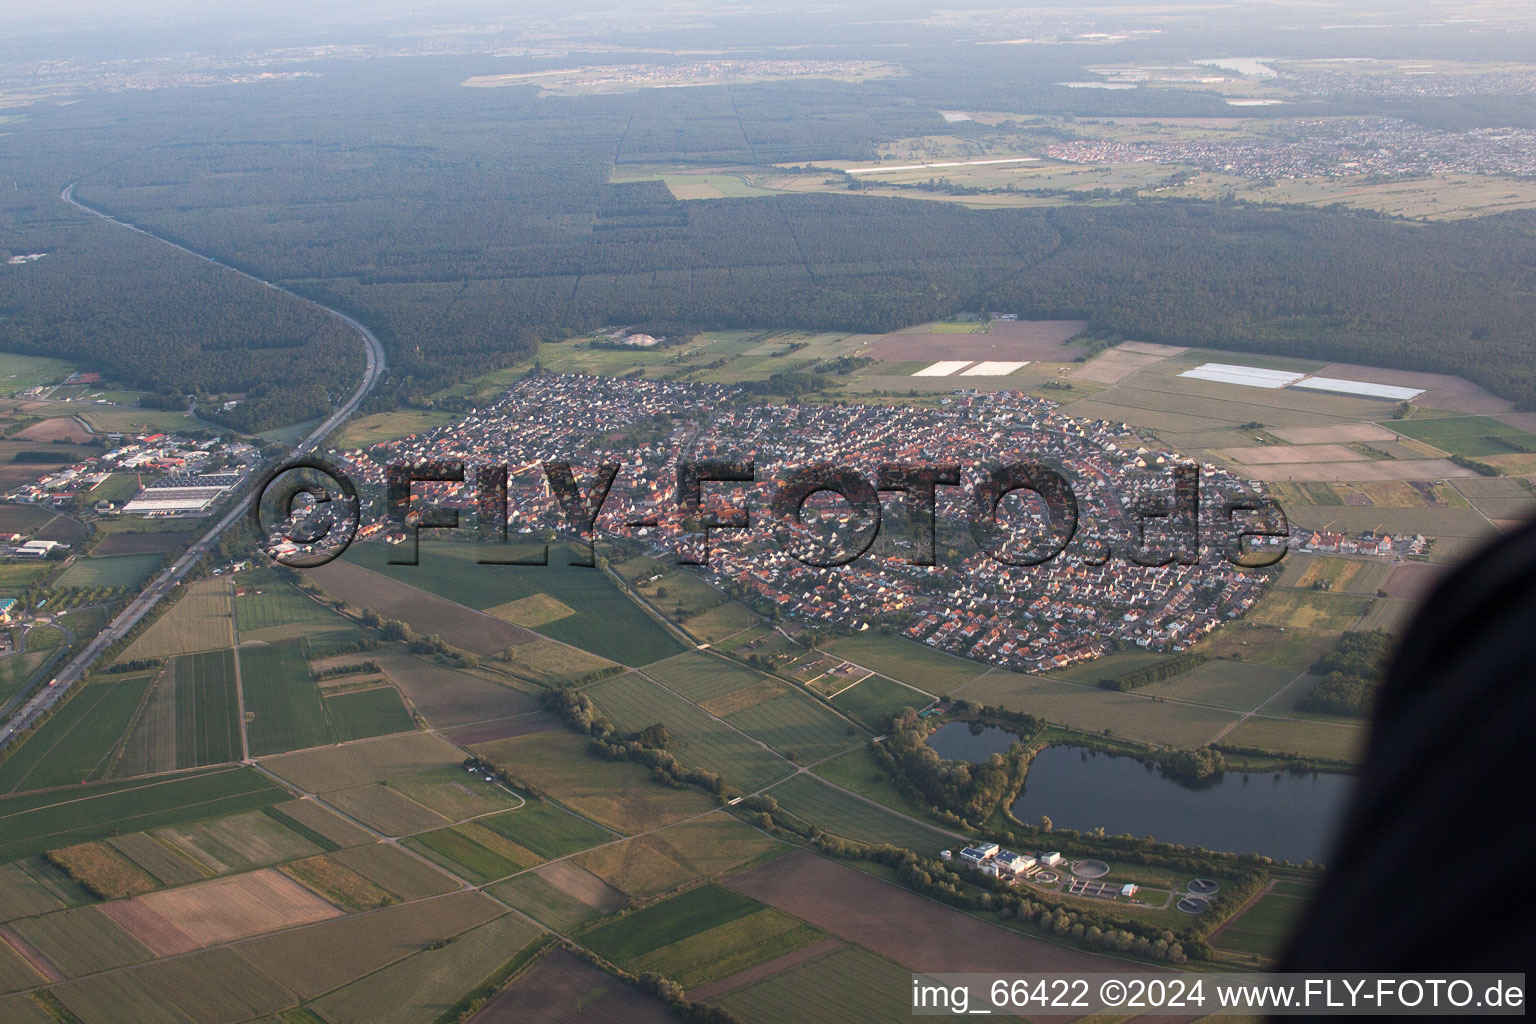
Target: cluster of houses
(1368,542)
(1034,618)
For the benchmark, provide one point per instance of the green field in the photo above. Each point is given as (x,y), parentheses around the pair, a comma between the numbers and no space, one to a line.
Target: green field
(729,948)
(1262,929)
(832,810)
(877,695)
(36,822)
(207,709)
(363,713)
(1226,684)
(670,858)
(18,576)
(77,742)
(849,986)
(702,677)
(796,725)
(19,372)
(1304,737)
(633,702)
(911,662)
(721,621)
(277,604)
(472,852)
(112,571)
(1466,435)
(606,622)
(283,706)
(16,670)
(669,921)
(547,830)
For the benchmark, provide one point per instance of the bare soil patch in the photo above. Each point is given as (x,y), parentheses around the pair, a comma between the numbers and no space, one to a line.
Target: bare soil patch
(239,906)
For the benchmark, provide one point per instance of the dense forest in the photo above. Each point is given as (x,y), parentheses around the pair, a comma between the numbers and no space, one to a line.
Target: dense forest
(465,225)
(1352,670)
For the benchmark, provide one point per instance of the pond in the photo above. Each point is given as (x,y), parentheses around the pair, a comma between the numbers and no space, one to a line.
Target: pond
(970,741)
(1287,815)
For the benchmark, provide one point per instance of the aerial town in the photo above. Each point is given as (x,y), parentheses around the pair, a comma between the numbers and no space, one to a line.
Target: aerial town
(1301,148)
(1069,609)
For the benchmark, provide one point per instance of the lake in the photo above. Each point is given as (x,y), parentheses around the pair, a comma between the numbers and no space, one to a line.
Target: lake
(1286,815)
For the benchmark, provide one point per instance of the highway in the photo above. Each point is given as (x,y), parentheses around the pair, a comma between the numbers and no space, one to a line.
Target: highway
(140,606)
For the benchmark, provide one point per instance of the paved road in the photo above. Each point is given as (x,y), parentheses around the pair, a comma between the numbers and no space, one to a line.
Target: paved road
(163,584)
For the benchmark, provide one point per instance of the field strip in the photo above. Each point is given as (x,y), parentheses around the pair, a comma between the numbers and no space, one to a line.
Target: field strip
(815,951)
(30,954)
(127,789)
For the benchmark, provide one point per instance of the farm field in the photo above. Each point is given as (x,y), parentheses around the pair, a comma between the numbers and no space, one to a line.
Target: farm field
(207,709)
(558,983)
(18,576)
(839,813)
(221,910)
(16,670)
(606,622)
(239,842)
(876,695)
(395,871)
(324,957)
(551,905)
(1306,609)
(1473,436)
(215,986)
(721,621)
(473,851)
(282,704)
(103,871)
(320,826)
(447,697)
(619,794)
(200,621)
(1305,737)
(1133,714)
(381,808)
(363,431)
(109,571)
(553,663)
(357,764)
(77,743)
(547,830)
(163,862)
(845,986)
(892,922)
(277,611)
(36,886)
(729,948)
(81,941)
(633,702)
(907,661)
(671,920)
(455,793)
(662,861)
(1226,684)
(392,592)
(141,542)
(1263,927)
(1336,575)
(359,714)
(35,822)
(422,985)
(702,677)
